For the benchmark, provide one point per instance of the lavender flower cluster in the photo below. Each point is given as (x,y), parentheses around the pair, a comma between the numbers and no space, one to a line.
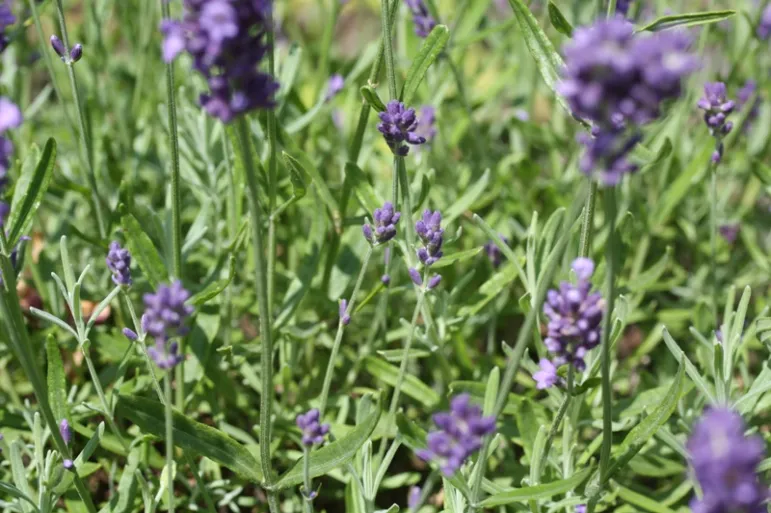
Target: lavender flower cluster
(10,117)
(421,18)
(575,314)
(165,314)
(717,107)
(459,435)
(227,41)
(725,463)
(119,263)
(398,125)
(313,432)
(431,233)
(386,219)
(618,80)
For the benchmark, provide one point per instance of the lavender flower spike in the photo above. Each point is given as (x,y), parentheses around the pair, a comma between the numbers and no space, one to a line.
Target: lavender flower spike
(6,20)
(574,316)
(58,46)
(764,27)
(398,125)
(547,376)
(716,109)
(343,310)
(459,435)
(313,432)
(424,22)
(119,263)
(432,235)
(165,314)
(386,220)
(725,463)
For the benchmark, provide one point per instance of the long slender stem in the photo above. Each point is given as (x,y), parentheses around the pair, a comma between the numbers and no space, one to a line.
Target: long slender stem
(607,325)
(308,491)
(169,441)
(266,397)
(84,137)
(339,336)
(713,240)
(405,356)
(16,333)
(388,48)
(587,223)
(272,179)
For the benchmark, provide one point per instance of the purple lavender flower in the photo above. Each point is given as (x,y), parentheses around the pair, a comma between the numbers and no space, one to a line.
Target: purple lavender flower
(398,125)
(729,232)
(313,432)
(743,96)
(725,463)
(581,508)
(427,127)
(10,117)
(415,276)
(622,7)
(574,318)
(343,311)
(618,80)
(494,253)
(413,497)
(226,39)
(424,22)
(434,281)
(716,109)
(432,235)
(547,376)
(68,464)
(764,27)
(164,318)
(65,431)
(459,435)
(119,262)
(76,53)
(58,46)
(130,334)
(6,20)
(386,280)
(386,220)
(334,86)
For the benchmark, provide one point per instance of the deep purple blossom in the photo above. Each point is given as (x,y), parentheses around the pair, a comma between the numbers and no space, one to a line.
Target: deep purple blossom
(764,27)
(227,41)
(68,464)
(313,432)
(622,7)
(431,233)
(717,107)
(385,219)
(459,435)
(130,334)
(546,376)
(424,22)
(65,431)
(398,125)
(119,263)
(76,53)
(574,314)
(725,462)
(334,86)
(165,314)
(618,80)
(6,20)
(58,46)
(345,318)
(743,96)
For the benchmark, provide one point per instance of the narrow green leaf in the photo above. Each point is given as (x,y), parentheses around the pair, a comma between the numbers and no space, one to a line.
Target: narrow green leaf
(395,355)
(641,501)
(692,371)
(371,97)
(215,288)
(664,152)
(432,47)
(644,431)
(466,201)
(412,386)
(491,392)
(57,384)
(303,163)
(143,251)
(460,256)
(543,491)
(14,492)
(127,487)
(29,192)
(686,20)
(298,178)
(191,436)
(559,21)
(333,455)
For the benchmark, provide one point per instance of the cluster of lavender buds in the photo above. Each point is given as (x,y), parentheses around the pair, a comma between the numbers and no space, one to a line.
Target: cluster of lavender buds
(494,253)
(716,109)
(431,233)
(226,39)
(345,318)
(574,314)
(417,279)
(743,96)
(764,27)
(334,86)
(313,432)
(459,435)
(386,219)
(119,263)
(618,80)
(164,318)
(398,125)
(10,117)
(6,20)
(725,463)
(76,52)
(424,22)
(66,432)
(546,376)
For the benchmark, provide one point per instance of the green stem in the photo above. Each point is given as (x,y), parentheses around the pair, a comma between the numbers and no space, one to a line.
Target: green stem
(607,325)
(272,180)
(169,440)
(587,223)
(308,491)
(84,138)
(404,184)
(339,335)
(266,397)
(16,332)
(555,426)
(385,20)
(713,240)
